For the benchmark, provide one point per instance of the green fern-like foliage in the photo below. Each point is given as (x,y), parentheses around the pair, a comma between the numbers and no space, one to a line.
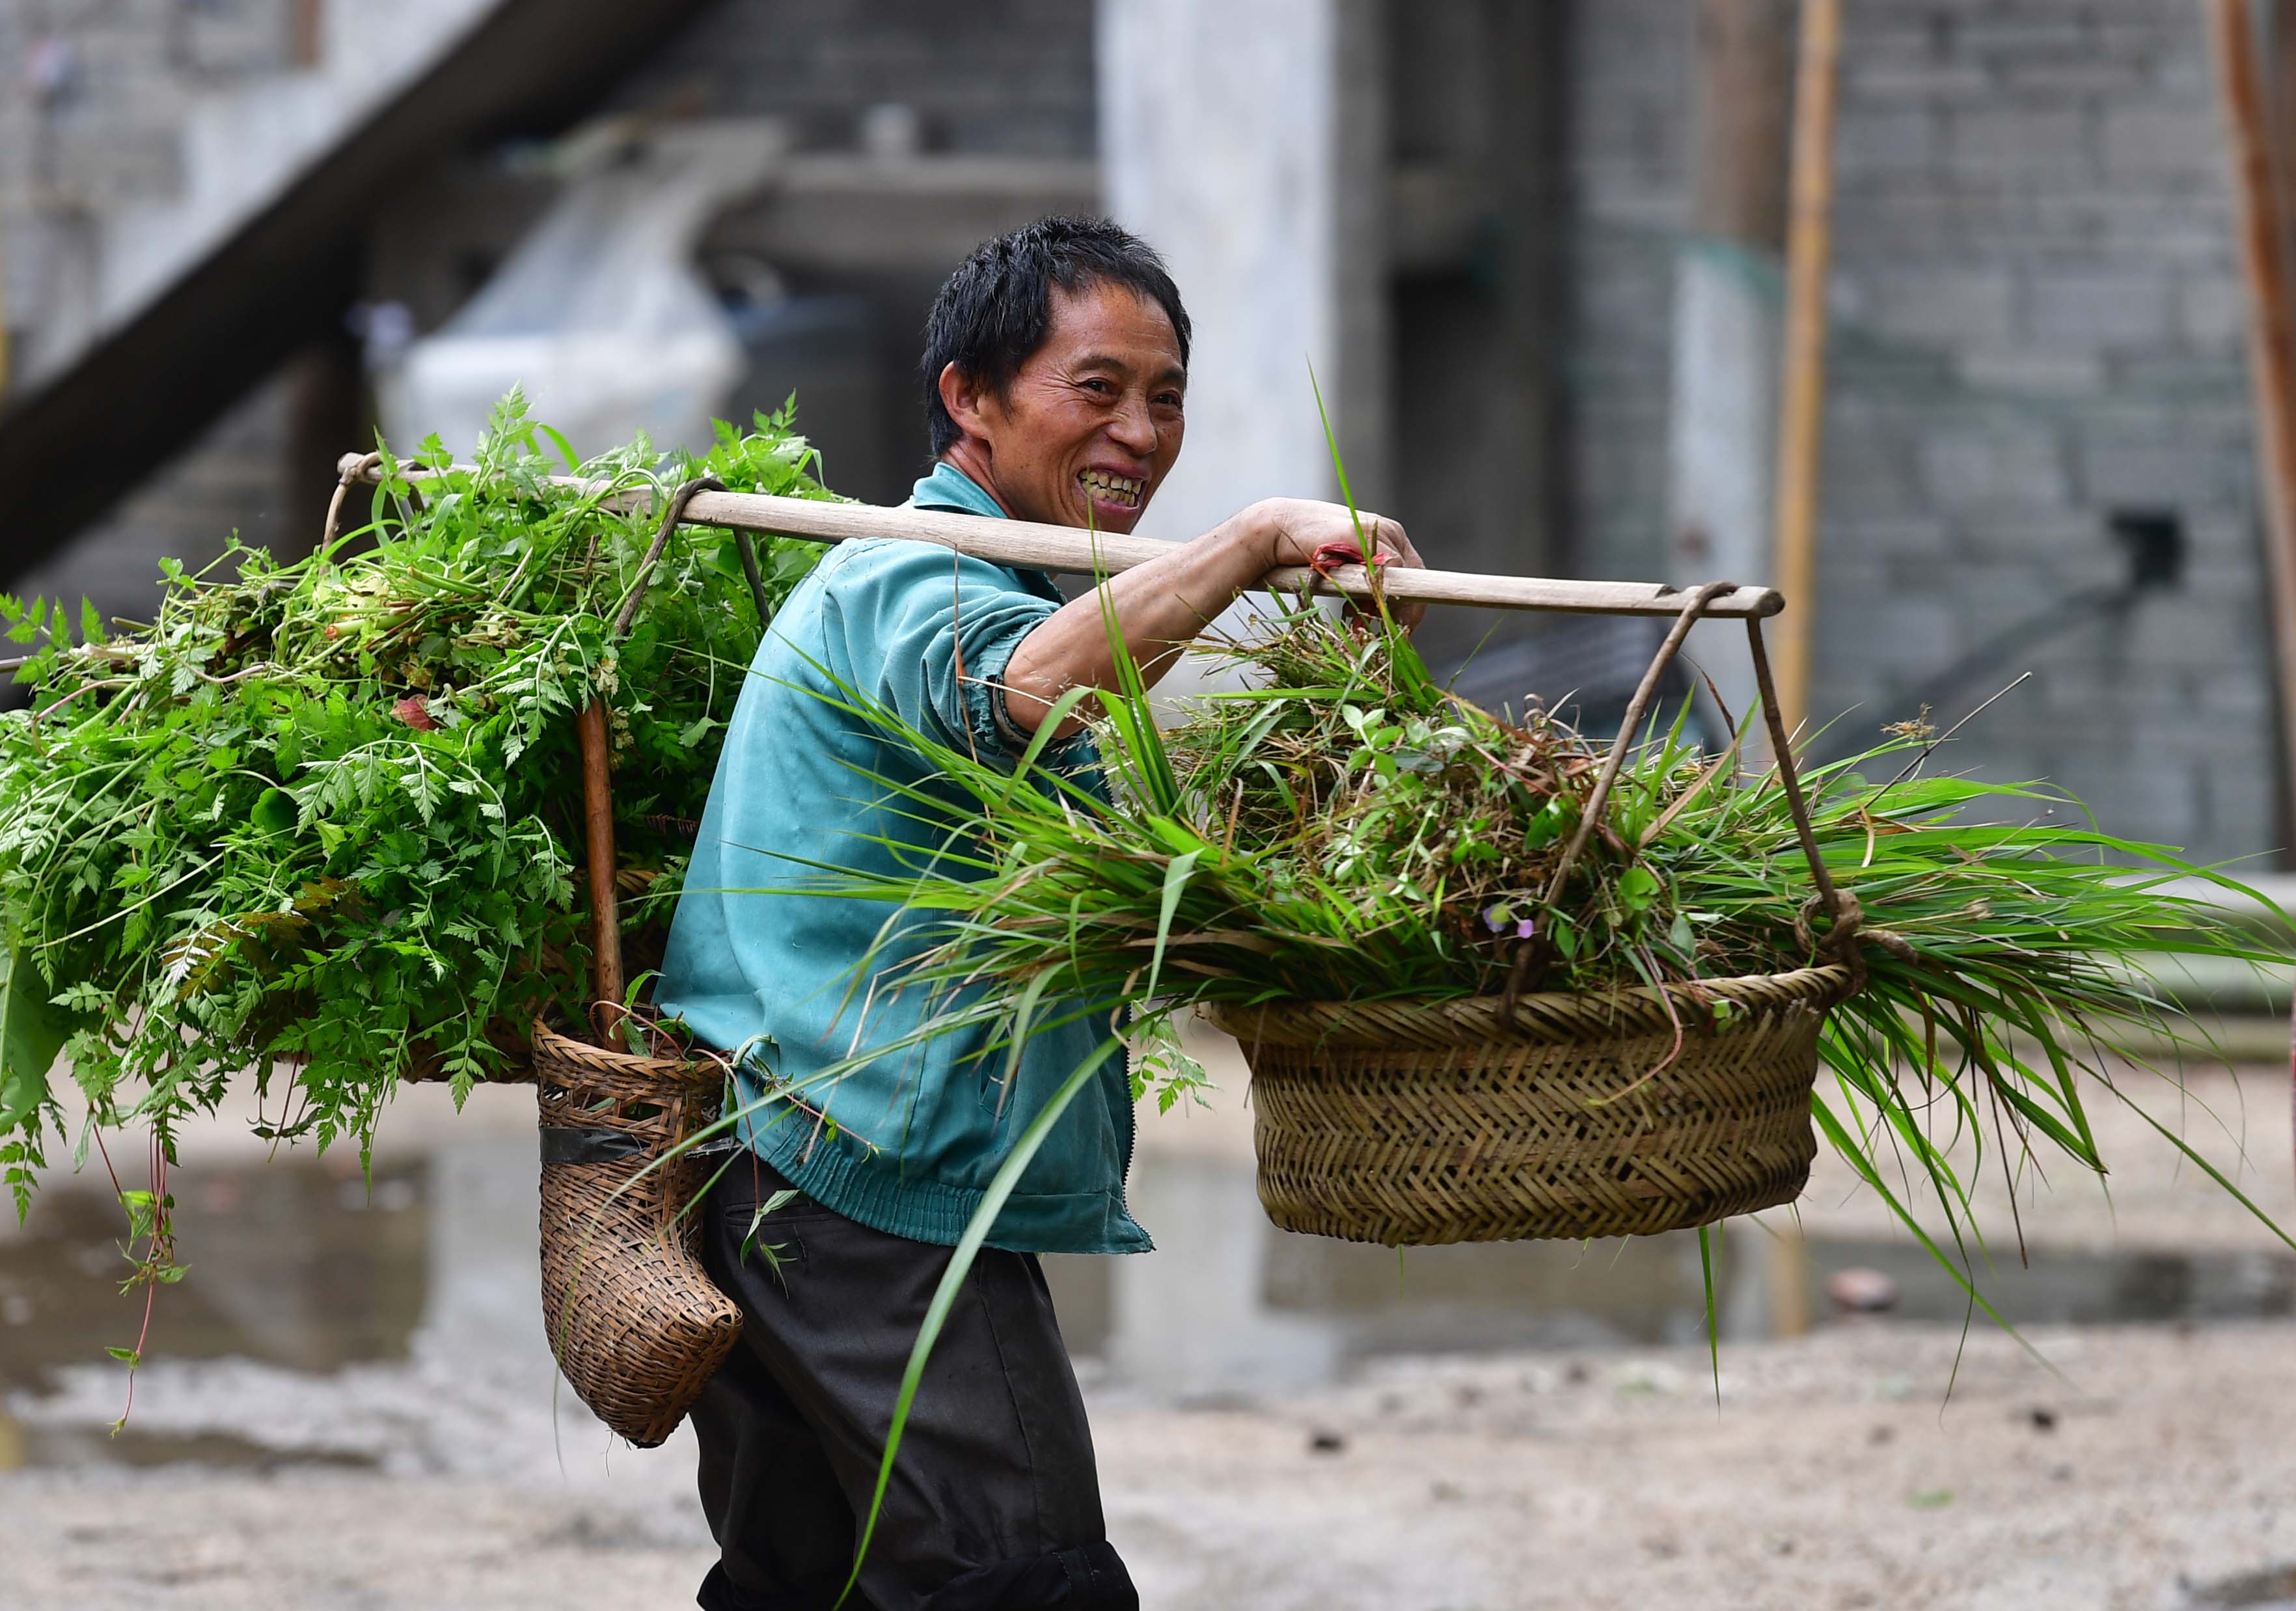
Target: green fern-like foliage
(318,821)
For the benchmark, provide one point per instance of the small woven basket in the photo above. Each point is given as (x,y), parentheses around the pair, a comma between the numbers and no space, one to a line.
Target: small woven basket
(1410,1123)
(636,1322)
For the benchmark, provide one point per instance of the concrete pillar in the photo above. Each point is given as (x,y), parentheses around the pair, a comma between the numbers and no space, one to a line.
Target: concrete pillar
(1721,436)
(484,1269)
(1247,141)
(1190,1321)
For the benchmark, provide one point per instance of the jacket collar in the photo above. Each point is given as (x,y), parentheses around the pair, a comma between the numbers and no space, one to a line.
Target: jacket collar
(950,488)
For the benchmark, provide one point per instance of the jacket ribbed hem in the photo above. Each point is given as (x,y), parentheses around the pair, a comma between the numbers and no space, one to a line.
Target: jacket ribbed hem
(874,1194)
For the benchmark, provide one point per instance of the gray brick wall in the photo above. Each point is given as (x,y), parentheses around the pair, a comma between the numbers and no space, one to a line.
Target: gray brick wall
(101,133)
(2039,320)
(1008,77)
(1628,170)
(231,480)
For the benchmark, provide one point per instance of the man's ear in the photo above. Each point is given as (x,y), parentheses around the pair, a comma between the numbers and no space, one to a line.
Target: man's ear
(970,405)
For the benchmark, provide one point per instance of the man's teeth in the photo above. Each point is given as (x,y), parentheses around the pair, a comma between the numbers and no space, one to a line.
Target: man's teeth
(1116,489)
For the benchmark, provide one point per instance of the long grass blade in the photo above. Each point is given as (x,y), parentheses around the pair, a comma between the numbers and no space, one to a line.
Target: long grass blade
(952,1281)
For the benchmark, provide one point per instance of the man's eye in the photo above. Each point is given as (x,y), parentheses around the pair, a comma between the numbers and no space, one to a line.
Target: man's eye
(1101,387)
(1168,400)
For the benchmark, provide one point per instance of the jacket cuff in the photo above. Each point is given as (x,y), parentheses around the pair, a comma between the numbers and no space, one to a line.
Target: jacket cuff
(988,716)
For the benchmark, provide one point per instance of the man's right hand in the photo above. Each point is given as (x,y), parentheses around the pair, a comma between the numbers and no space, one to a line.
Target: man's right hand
(1293,529)
(1161,606)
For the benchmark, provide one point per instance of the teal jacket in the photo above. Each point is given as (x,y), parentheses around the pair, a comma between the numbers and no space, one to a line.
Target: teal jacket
(908,1142)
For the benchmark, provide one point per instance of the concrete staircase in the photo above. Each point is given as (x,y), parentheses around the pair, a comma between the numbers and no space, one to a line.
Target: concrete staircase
(183,295)
(237,147)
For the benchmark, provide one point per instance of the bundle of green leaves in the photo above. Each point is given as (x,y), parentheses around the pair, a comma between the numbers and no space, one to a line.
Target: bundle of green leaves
(1347,829)
(316,823)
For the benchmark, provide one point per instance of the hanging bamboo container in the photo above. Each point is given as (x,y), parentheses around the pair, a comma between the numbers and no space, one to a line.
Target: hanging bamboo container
(1566,1114)
(635,1322)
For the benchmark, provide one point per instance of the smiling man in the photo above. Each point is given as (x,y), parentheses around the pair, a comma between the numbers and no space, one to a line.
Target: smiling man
(1056,372)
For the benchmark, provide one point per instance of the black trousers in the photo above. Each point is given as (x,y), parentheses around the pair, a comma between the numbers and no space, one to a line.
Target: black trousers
(994,1501)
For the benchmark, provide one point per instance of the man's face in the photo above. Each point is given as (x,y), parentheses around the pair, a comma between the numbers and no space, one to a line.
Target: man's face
(1091,425)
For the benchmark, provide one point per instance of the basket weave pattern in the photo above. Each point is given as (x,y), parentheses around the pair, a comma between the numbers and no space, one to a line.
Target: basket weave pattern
(636,1322)
(1408,1123)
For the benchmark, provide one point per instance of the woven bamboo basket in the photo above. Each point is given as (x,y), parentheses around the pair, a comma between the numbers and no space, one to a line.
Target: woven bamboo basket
(1411,1124)
(1571,1114)
(636,1322)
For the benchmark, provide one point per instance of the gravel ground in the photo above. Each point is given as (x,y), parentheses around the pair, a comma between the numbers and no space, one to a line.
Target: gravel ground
(2142,1468)
(2156,1473)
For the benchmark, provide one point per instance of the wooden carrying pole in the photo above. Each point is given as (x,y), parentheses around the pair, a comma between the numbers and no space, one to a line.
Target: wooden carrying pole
(1059,548)
(1066,549)
(1800,427)
(2264,260)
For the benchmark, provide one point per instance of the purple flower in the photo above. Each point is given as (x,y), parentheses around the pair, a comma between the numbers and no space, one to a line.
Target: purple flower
(1499,917)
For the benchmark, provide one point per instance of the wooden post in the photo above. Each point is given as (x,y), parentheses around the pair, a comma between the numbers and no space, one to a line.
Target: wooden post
(2280,18)
(598,850)
(2265,262)
(1808,253)
(306,32)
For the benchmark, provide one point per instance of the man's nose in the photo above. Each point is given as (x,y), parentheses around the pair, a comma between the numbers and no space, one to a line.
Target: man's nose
(1133,427)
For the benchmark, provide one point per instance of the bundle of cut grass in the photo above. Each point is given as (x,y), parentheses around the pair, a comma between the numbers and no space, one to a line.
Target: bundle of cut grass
(1346,837)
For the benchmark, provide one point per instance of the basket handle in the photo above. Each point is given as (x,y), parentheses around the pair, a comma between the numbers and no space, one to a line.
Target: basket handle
(1644,691)
(607,978)
(671,517)
(1838,903)
(349,471)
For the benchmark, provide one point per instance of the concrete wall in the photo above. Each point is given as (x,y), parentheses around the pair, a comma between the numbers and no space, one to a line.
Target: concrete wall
(1013,78)
(132,136)
(90,111)
(135,136)
(93,106)
(229,480)
(2038,323)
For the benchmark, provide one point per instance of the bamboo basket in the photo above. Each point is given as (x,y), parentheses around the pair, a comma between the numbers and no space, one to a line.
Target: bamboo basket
(635,1322)
(1410,1123)
(1567,1115)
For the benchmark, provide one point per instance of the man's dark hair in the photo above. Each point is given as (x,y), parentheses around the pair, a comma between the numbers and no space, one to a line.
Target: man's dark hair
(994,312)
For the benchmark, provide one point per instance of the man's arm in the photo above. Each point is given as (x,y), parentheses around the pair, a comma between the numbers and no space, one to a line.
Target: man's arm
(1163,605)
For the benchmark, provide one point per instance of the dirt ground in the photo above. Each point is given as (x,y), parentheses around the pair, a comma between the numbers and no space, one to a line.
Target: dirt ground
(2140,1469)
(2157,1471)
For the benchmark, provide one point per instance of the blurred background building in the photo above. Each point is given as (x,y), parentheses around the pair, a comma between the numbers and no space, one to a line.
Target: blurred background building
(1531,249)
(1529,246)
